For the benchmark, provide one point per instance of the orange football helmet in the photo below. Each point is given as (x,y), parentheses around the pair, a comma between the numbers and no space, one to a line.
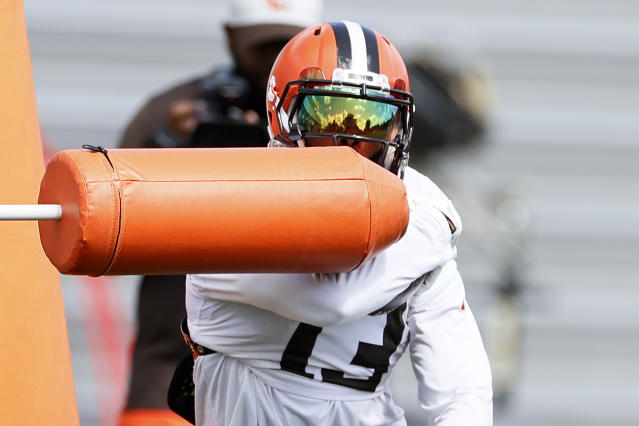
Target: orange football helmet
(341,83)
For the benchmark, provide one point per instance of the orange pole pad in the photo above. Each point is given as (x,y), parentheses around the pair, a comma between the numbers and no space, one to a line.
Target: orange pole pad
(174,211)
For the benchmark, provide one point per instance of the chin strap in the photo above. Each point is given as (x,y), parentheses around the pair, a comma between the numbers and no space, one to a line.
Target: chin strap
(403,162)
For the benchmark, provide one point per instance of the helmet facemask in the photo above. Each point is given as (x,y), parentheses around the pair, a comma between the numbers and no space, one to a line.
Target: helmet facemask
(374,120)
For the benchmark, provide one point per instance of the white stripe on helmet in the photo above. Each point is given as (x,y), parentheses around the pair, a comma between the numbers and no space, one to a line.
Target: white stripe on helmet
(358,46)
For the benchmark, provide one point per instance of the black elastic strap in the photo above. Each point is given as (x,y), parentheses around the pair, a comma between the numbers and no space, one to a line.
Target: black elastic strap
(196,348)
(94,148)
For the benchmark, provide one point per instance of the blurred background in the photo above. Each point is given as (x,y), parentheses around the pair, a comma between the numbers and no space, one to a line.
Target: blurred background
(549,192)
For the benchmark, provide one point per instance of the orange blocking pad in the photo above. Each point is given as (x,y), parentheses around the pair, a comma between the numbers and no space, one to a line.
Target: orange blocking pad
(36,383)
(172,211)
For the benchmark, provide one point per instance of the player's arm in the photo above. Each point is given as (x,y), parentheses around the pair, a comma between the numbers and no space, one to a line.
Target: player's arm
(447,353)
(329,299)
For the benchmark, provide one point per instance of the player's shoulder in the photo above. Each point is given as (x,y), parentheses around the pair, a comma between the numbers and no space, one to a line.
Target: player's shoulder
(421,185)
(424,196)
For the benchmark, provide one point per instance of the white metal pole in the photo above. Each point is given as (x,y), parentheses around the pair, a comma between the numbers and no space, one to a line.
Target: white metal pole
(30,211)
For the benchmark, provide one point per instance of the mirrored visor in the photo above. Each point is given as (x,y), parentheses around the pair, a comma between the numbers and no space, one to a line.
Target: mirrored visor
(351,116)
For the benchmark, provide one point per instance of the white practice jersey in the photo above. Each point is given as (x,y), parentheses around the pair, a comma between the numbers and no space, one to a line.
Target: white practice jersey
(338,336)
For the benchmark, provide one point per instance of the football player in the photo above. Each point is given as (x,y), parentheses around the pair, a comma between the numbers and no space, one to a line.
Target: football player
(287,349)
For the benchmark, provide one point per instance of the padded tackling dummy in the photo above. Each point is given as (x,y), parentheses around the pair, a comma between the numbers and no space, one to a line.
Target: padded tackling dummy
(233,210)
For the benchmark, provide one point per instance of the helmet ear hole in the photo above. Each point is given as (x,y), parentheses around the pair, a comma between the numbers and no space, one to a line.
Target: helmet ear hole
(312,73)
(399,84)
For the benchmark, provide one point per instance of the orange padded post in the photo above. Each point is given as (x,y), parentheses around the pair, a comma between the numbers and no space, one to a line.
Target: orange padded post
(36,383)
(175,211)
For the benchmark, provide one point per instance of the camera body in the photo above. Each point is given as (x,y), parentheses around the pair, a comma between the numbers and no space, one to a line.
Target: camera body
(225,97)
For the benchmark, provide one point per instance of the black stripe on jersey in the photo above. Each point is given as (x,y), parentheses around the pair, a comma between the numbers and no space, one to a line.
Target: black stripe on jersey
(299,349)
(344,53)
(372,51)
(376,357)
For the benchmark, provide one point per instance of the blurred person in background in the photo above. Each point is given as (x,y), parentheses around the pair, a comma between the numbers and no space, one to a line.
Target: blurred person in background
(452,104)
(454,97)
(224,108)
